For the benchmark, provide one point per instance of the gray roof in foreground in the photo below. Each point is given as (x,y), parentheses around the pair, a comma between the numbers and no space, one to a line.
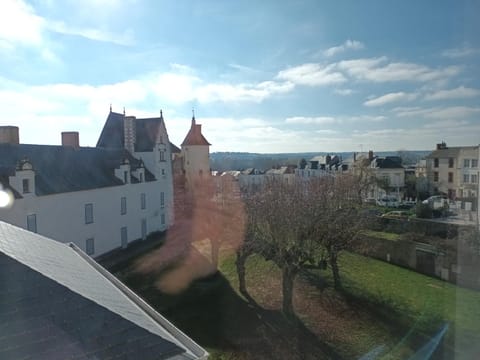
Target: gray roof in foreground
(55,303)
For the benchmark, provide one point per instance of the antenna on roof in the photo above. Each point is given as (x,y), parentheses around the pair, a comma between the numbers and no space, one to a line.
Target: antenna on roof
(110,107)
(193,113)
(161,114)
(124,111)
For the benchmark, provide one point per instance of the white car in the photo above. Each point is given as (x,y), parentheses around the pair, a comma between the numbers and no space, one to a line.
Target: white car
(388,201)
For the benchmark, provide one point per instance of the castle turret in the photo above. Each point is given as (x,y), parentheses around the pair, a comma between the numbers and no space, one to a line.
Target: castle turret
(195,153)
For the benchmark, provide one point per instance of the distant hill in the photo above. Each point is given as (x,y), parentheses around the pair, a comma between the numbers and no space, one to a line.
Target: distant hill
(222,161)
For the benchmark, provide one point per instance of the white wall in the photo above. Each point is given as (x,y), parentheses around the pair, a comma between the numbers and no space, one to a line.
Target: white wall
(62,216)
(196,159)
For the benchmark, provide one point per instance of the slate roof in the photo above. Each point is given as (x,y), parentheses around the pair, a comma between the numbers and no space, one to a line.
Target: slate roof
(388,162)
(194,136)
(449,152)
(60,169)
(146,131)
(57,303)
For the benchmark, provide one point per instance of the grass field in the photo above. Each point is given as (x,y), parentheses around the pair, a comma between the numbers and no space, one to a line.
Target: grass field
(383,307)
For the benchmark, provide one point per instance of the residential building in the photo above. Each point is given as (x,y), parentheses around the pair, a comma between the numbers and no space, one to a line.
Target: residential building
(58,303)
(99,198)
(322,165)
(454,172)
(390,176)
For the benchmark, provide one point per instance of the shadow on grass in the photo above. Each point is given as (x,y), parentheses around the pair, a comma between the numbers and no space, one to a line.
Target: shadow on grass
(214,315)
(412,332)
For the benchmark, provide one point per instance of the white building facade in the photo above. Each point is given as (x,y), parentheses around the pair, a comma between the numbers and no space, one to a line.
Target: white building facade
(99,198)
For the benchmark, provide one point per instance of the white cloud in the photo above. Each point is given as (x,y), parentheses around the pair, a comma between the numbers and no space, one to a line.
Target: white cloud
(453,112)
(389,98)
(343,92)
(460,92)
(323,120)
(349,44)
(312,75)
(241,92)
(378,70)
(125,38)
(19,24)
(445,124)
(460,52)
(445,113)
(319,120)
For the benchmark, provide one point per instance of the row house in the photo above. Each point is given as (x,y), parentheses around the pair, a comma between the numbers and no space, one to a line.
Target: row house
(454,172)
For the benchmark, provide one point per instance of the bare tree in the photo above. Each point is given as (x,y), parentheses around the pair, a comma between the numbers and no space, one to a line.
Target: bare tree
(279,230)
(217,214)
(337,217)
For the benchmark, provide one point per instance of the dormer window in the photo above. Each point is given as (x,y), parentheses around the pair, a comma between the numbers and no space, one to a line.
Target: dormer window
(26,186)
(125,177)
(141,177)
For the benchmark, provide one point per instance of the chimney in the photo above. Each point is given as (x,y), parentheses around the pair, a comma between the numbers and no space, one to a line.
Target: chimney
(9,135)
(328,159)
(370,155)
(71,138)
(129,133)
(442,145)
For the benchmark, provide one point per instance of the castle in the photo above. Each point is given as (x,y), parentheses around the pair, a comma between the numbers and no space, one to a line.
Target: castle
(103,197)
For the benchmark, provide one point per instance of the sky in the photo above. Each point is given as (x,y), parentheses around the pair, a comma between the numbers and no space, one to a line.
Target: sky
(262,76)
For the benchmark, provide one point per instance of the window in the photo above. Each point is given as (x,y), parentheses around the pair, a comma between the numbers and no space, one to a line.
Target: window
(125,177)
(466,163)
(465,178)
(144,228)
(435,176)
(32,223)
(450,162)
(88,213)
(124,236)
(141,177)
(450,177)
(474,163)
(163,171)
(162,199)
(473,178)
(26,186)
(90,246)
(435,162)
(123,206)
(143,201)
(162,219)
(162,155)
(451,194)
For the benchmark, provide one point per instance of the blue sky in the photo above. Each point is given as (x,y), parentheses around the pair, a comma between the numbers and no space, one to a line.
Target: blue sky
(263,76)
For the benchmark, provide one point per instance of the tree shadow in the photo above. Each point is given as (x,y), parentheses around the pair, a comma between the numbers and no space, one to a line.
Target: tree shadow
(211,312)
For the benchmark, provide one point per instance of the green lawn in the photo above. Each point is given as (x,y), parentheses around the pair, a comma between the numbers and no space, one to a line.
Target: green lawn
(381,304)
(409,306)
(382,235)
(420,300)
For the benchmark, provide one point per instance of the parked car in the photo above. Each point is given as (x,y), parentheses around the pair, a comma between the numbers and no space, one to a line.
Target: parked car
(436,201)
(396,215)
(407,204)
(388,201)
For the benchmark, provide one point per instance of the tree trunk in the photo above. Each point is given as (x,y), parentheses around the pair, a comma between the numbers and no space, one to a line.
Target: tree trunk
(240,263)
(215,248)
(288,276)
(335,271)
